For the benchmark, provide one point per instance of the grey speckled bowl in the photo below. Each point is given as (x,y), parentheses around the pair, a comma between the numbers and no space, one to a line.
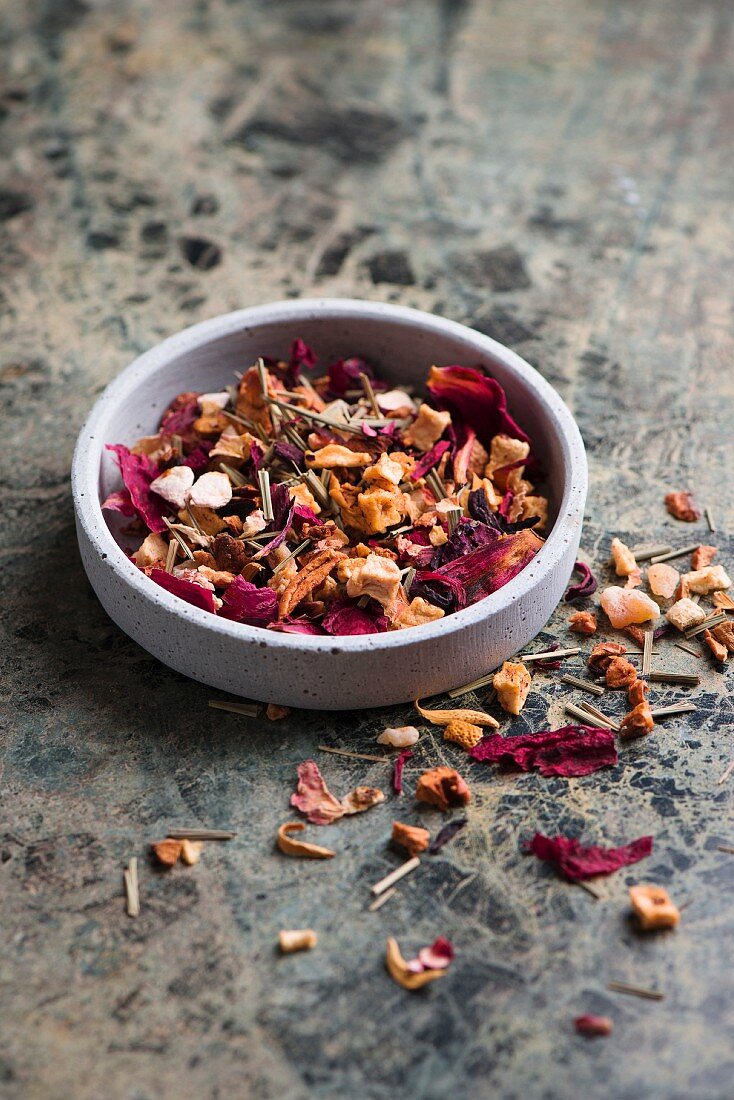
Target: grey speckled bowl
(302,671)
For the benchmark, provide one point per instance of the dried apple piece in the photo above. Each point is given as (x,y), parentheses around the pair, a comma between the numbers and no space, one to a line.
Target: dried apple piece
(653,907)
(299,848)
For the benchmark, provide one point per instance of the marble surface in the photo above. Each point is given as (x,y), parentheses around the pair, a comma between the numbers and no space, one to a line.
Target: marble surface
(558,176)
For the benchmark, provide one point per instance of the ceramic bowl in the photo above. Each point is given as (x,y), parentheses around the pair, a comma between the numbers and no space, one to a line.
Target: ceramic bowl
(307,671)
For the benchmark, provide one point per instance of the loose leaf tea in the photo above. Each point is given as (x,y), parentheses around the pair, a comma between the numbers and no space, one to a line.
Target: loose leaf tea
(577,862)
(317,503)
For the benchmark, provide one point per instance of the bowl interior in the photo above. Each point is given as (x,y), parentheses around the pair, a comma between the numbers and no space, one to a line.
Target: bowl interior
(400,348)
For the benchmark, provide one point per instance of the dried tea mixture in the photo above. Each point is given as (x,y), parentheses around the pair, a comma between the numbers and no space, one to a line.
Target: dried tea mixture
(329,504)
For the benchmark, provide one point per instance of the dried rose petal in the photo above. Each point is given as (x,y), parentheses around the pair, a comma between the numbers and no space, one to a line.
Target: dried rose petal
(576,861)
(429,460)
(244,602)
(121,501)
(569,751)
(345,617)
(438,956)
(137,472)
(475,400)
(185,590)
(313,798)
(397,770)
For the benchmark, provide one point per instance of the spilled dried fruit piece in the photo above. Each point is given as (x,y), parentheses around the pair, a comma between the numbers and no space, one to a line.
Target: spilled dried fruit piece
(620,673)
(703,556)
(719,650)
(583,622)
(663,580)
(724,634)
(685,614)
(512,684)
(401,973)
(274,711)
(682,506)
(442,787)
(399,737)
(167,852)
(623,558)
(410,837)
(722,602)
(299,848)
(361,799)
(653,908)
(603,654)
(443,717)
(637,691)
(463,733)
(627,605)
(191,851)
(301,939)
(701,582)
(638,722)
(593,1026)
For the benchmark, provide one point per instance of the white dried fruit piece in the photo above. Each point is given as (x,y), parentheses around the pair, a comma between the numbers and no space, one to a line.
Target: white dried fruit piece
(437,536)
(623,558)
(392,400)
(663,580)
(512,684)
(399,737)
(191,851)
(153,549)
(427,428)
(212,490)
(626,606)
(173,485)
(299,848)
(713,578)
(443,717)
(300,939)
(210,403)
(685,614)
(336,457)
(254,524)
(504,451)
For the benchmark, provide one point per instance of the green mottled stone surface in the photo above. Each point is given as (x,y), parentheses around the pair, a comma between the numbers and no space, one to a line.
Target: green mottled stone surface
(559,176)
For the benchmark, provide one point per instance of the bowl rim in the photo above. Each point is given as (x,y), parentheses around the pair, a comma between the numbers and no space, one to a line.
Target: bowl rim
(88,451)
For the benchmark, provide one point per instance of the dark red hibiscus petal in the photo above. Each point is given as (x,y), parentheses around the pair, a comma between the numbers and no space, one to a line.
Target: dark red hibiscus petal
(397,770)
(137,472)
(569,751)
(576,861)
(474,400)
(244,602)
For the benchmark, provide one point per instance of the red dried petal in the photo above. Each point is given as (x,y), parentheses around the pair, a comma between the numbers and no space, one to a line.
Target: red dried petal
(137,472)
(121,501)
(345,618)
(430,459)
(438,955)
(475,400)
(185,590)
(397,771)
(313,798)
(244,602)
(576,861)
(586,586)
(593,1026)
(569,751)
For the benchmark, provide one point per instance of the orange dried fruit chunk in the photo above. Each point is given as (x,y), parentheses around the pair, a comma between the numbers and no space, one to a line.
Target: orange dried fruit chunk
(663,580)
(638,722)
(620,673)
(583,622)
(442,787)
(653,908)
(463,733)
(410,837)
(512,684)
(627,605)
(167,852)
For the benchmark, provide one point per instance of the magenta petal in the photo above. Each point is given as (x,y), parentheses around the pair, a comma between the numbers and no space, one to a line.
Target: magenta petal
(137,472)
(121,501)
(587,586)
(244,602)
(576,862)
(429,460)
(397,770)
(438,955)
(345,617)
(474,400)
(569,751)
(185,590)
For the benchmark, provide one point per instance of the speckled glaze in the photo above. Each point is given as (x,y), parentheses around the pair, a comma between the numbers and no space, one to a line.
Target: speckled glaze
(312,672)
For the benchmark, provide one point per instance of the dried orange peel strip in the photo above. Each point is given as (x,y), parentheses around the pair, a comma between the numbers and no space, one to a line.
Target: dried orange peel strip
(399,972)
(299,848)
(443,717)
